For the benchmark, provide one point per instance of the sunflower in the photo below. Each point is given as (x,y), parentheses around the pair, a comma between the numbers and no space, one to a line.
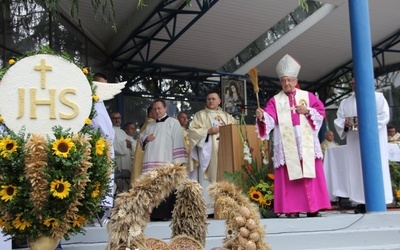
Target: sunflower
(95,98)
(60,188)
(96,190)
(4,224)
(20,224)
(8,146)
(100,145)
(51,222)
(88,121)
(265,202)
(63,146)
(11,61)
(85,71)
(79,221)
(398,193)
(7,192)
(255,195)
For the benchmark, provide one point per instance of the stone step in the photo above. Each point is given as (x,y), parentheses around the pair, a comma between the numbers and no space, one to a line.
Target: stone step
(334,230)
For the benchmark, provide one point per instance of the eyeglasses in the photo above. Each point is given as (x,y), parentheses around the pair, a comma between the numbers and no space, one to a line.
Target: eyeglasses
(289,80)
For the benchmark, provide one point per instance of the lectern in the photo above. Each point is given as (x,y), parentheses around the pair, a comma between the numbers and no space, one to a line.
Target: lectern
(230,153)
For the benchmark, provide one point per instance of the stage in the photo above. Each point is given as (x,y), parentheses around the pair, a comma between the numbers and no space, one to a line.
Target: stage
(339,230)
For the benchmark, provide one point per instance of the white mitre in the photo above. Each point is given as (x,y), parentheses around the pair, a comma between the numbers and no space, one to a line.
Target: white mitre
(288,66)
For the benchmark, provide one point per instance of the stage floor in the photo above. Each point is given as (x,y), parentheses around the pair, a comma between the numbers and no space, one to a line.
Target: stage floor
(339,230)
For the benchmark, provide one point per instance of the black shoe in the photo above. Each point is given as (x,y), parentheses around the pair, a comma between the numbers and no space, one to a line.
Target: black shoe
(315,214)
(293,215)
(360,209)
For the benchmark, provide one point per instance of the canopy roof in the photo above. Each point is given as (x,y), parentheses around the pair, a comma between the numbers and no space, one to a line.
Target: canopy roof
(198,40)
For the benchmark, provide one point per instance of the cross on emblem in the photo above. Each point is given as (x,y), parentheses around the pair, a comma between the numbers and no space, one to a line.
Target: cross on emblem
(42,68)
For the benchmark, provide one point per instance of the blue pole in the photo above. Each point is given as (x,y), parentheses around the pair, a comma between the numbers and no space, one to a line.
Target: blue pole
(366,106)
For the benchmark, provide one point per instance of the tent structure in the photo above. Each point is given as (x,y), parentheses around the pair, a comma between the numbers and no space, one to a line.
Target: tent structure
(193,42)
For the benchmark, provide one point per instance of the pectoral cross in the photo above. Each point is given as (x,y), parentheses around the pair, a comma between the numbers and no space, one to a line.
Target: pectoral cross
(43,68)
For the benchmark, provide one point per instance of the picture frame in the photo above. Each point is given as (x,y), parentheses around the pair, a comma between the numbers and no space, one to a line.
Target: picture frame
(233,95)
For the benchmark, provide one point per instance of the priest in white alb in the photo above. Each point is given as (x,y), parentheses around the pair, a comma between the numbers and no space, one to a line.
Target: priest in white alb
(163,143)
(295,117)
(347,109)
(204,144)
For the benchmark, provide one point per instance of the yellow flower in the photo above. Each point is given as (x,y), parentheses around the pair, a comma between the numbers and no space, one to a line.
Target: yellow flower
(271,176)
(5,225)
(267,202)
(11,61)
(1,119)
(255,195)
(100,145)
(96,190)
(85,71)
(264,202)
(63,146)
(8,192)
(7,146)
(95,98)
(20,224)
(79,221)
(88,121)
(398,193)
(60,189)
(51,222)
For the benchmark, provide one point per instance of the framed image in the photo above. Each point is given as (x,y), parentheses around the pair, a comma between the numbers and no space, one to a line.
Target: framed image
(233,95)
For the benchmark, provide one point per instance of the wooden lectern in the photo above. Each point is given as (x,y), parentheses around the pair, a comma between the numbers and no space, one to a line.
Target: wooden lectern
(230,152)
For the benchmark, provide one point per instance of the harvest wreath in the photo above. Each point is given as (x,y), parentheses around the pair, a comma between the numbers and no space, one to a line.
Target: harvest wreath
(51,185)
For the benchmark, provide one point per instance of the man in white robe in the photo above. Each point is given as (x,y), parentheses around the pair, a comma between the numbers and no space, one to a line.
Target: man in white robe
(204,142)
(103,122)
(348,108)
(163,143)
(329,141)
(183,120)
(137,162)
(123,145)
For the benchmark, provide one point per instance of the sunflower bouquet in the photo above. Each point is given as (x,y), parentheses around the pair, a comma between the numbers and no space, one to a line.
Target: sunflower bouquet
(256,180)
(395,178)
(52,185)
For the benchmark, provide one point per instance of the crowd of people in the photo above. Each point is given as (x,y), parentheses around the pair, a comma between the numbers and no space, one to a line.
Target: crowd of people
(293,118)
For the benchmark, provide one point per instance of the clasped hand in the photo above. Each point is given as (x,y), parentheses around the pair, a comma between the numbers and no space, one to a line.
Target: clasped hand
(302,109)
(150,138)
(213,130)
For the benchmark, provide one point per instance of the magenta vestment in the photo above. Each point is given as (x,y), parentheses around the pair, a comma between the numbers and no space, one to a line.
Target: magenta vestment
(301,195)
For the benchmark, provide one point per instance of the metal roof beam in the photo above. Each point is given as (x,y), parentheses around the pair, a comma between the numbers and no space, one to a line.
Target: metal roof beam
(160,27)
(334,78)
